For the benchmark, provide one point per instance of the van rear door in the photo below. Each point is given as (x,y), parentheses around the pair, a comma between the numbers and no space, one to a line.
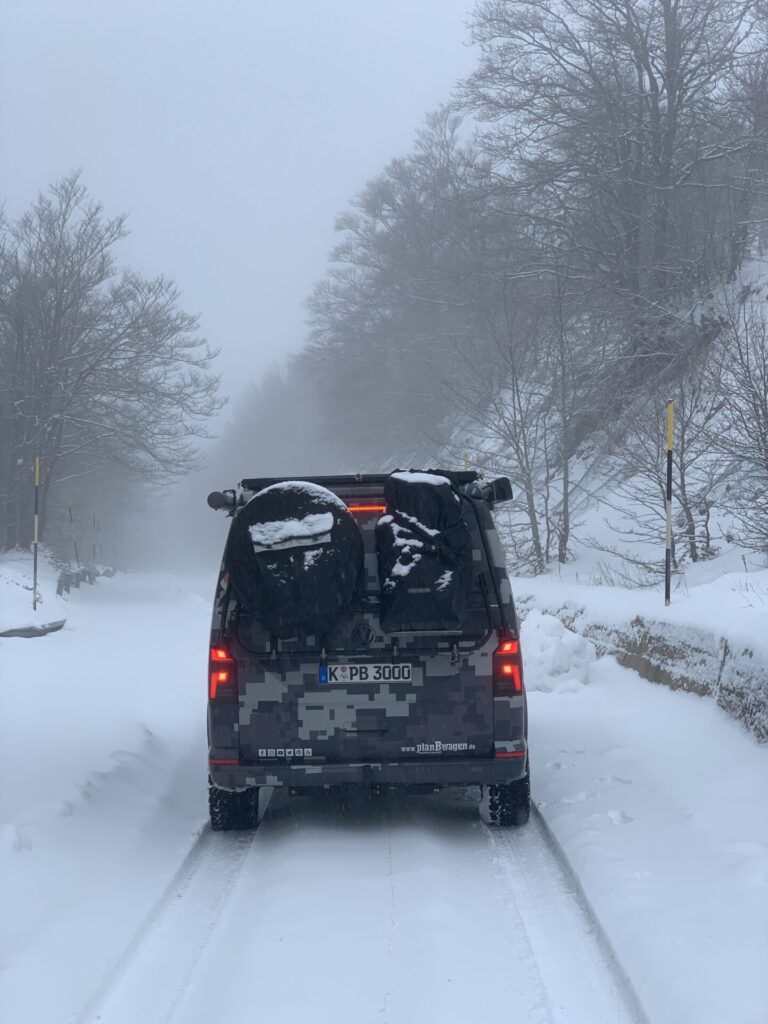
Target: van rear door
(373,697)
(438,699)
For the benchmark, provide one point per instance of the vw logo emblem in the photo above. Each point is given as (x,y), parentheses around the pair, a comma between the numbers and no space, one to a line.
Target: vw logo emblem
(363,634)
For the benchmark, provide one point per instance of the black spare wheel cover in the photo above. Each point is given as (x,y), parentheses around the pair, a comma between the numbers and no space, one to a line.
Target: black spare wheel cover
(295,555)
(424,550)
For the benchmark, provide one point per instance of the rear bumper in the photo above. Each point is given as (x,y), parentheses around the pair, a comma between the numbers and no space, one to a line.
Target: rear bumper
(465,772)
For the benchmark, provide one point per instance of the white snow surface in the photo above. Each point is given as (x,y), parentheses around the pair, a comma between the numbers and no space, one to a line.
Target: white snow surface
(314,528)
(719,597)
(402,537)
(415,477)
(411,476)
(403,569)
(444,581)
(659,801)
(307,488)
(429,531)
(16,577)
(119,905)
(311,558)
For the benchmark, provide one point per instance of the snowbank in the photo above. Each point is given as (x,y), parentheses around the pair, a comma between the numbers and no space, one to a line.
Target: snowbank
(712,641)
(556,658)
(732,603)
(659,803)
(102,756)
(16,610)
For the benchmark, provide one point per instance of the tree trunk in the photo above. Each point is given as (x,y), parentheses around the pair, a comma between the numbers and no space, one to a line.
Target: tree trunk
(530,503)
(6,463)
(564,533)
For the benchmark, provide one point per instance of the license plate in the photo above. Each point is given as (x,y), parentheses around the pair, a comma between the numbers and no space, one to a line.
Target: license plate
(371,673)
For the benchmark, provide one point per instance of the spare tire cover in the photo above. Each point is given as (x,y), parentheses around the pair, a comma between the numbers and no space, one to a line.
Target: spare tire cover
(295,555)
(425,554)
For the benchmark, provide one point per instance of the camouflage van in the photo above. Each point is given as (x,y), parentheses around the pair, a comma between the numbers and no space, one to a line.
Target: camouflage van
(364,635)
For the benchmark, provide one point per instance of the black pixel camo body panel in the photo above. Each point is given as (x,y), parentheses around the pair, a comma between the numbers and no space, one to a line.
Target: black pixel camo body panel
(442,726)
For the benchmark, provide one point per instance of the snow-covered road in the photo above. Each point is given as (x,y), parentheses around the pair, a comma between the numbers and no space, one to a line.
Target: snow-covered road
(390,910)
(121,906)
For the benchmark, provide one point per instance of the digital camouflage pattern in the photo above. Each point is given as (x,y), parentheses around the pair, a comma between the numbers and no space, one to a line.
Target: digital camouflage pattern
(441,727)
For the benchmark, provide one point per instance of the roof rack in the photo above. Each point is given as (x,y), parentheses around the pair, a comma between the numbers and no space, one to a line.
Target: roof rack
(493,491)
(457,477)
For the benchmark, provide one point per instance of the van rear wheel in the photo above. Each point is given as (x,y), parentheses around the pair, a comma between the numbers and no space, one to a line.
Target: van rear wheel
(509,803)
(230,811)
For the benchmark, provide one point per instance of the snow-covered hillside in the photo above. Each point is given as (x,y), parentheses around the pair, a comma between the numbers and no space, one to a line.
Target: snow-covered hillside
(117,894)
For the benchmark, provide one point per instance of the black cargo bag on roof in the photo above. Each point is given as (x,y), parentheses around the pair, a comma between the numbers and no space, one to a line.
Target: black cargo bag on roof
(295,555)
(425,555)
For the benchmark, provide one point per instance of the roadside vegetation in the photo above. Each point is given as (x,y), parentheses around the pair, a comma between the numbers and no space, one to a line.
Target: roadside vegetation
(577,237)
(102,375)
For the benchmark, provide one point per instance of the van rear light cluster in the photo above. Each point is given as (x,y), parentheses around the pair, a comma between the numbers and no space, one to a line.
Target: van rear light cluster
(222,674)
(507,668)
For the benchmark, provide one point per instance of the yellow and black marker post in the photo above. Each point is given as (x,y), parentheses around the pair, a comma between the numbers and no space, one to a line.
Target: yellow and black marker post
(35,535)
(668,559)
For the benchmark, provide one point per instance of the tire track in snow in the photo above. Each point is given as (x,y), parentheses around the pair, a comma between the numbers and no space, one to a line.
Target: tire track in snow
(538,890)
(480,956)
(207,853)
(413,906)
(509,898)
(391,924)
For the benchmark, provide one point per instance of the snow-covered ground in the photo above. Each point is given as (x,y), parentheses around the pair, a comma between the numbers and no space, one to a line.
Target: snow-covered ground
(16,578)
(102,761)
(726,596)
(659,801)
(120,906)
(712,639)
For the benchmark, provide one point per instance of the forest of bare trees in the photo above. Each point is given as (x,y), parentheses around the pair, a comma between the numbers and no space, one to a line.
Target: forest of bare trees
(578,236)
(102,375)
(575,239)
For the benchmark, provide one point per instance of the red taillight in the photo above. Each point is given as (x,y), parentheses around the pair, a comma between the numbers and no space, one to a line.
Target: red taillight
(222,675)
(367,509)
(507,668)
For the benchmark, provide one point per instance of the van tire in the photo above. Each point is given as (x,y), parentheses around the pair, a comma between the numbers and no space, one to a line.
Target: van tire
(509,803)
(230,811)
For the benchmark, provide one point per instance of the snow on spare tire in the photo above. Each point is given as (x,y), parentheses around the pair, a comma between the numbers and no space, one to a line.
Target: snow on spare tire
(295,555)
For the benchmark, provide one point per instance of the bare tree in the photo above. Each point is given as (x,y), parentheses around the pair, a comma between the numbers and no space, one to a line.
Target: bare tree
(96,365)
(608,120)
(699,477)
(504,430)
(743,439)
(508,296)
(405,281)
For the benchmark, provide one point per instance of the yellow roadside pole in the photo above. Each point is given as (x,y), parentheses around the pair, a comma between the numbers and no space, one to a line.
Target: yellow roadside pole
(668,558)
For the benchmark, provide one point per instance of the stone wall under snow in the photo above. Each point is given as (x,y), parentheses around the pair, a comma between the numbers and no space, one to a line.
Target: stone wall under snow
(732,672)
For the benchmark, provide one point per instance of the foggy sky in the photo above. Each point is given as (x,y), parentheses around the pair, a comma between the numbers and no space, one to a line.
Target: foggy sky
(230,132)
